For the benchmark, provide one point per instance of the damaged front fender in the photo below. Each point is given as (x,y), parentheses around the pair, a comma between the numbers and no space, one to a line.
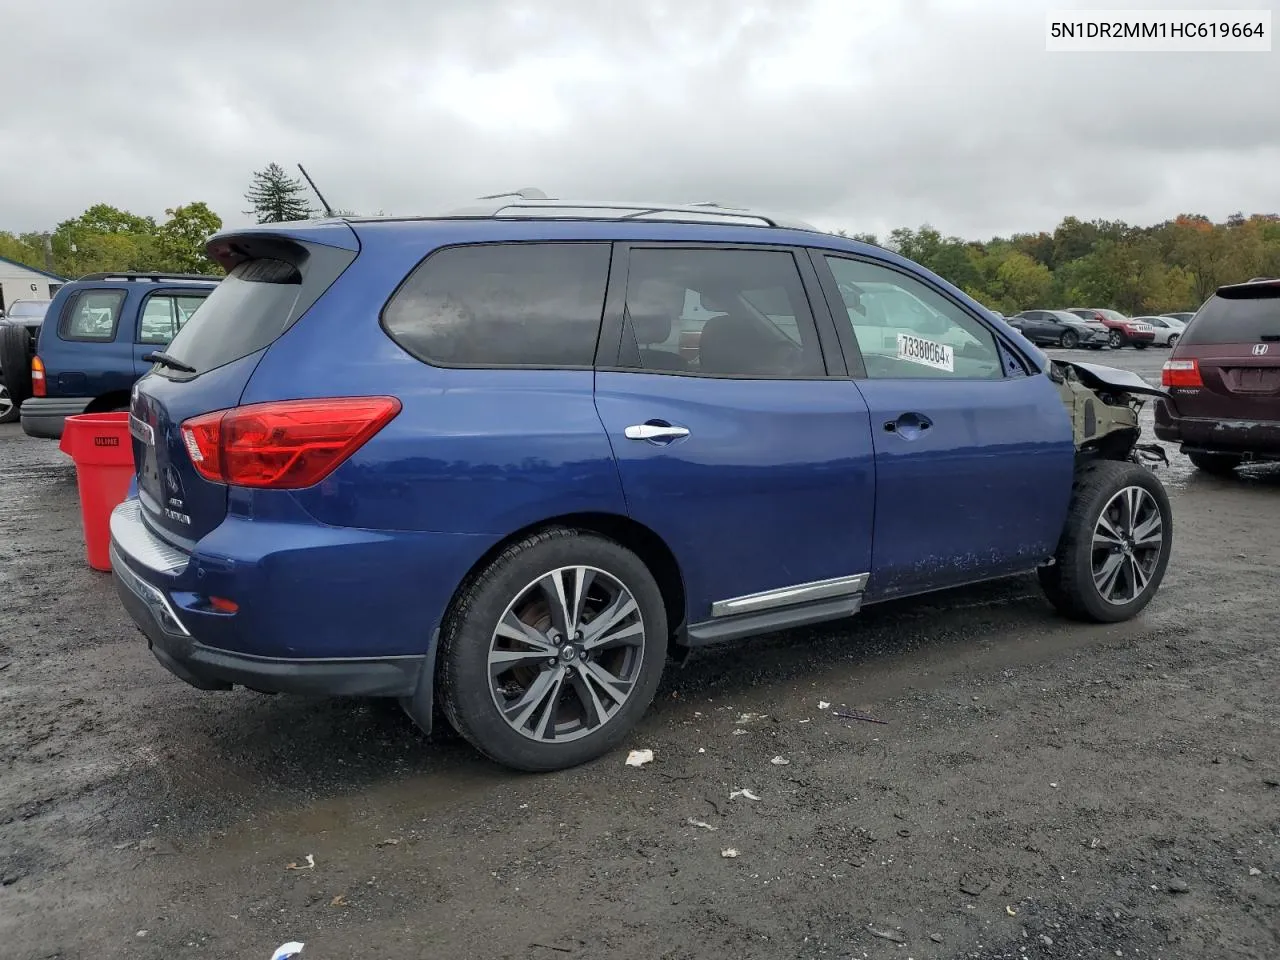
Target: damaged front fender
(1104,404)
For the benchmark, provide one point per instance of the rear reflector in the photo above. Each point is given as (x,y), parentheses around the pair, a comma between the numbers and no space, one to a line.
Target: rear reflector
(38,385)
(286,445)
(1181,373)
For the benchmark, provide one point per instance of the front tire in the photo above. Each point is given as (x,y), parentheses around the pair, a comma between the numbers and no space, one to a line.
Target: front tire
(1218,464)
(550,655)
(1116,339)
(1069,340)
(1115,544)
(1173,341)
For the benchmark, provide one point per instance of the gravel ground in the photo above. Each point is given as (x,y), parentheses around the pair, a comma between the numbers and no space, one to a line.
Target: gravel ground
(1037,788)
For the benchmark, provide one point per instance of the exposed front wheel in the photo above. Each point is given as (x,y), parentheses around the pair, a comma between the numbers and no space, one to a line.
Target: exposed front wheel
(551,655)
(1115,546)
(1116,339)
(1070,340)
(1173,341)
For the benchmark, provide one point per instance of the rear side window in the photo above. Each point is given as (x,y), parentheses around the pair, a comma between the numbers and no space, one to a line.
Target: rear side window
(164,315)
(503,305)
(92,315)
(247,311)
(1245,315)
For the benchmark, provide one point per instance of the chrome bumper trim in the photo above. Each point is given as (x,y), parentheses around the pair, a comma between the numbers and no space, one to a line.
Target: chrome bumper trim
(130,533)
(152,596)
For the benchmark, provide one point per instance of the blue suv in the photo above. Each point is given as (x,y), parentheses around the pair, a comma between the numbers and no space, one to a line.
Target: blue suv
(509,461)
(95,339)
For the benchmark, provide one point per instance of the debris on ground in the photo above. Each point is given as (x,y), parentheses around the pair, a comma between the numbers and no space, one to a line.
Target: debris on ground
(339,901)
(824,705)
(974,886)
(638,758)
(729,853)
(1046,940)
(310,864)
(886,934)
(780,761)
(739,733)
(286,950)
(1255,872)
(389,842)
(1178,886)
(748,718)
(748,794)
(695,822)
(850,715)
(1010,911)
(935,937)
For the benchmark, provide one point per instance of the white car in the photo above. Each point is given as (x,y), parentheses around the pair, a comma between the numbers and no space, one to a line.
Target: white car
(1166,329)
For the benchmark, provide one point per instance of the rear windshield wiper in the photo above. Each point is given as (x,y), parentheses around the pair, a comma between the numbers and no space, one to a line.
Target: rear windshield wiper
(173,363)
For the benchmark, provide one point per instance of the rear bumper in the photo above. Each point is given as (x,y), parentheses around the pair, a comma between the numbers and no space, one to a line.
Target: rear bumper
(210,668)
(43,416)
(321,610)
(1250,439)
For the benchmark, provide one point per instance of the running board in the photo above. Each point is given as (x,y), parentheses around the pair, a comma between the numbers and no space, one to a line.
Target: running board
(782,609)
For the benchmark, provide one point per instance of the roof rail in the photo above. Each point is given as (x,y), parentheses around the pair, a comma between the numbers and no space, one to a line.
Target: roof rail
(525,193)
(153,277)
(546,208)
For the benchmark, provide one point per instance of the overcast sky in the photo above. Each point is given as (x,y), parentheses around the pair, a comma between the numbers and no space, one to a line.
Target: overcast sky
(861,114)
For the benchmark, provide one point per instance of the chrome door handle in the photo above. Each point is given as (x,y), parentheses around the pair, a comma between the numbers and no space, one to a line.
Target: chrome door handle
(655,431)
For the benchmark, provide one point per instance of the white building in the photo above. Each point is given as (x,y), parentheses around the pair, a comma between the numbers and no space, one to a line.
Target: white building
(20,282)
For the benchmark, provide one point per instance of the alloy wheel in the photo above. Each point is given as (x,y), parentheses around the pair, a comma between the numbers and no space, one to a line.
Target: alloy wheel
(6,401)
(566,654)
(1115,339)
(1173,341)
(1128,540)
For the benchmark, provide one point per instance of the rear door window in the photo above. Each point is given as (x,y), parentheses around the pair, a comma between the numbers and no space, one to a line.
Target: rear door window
(164,315)
(92,315)
(1243,315)
(503,305)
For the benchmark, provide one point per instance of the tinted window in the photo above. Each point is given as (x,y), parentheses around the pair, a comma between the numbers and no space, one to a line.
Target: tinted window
(92,315)
(752,317)
(527,304)
(246,312)
(1237,316)
(29,308)
(164,315)
(906,330)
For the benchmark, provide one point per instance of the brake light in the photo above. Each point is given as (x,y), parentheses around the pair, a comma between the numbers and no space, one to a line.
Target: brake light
(1181,373)
(285,445)
(38,386)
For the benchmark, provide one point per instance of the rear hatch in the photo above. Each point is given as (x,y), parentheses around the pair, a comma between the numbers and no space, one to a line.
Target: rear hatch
(275,275)
(1235,342)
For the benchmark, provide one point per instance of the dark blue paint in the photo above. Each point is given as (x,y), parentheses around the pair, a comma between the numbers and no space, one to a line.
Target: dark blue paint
(982,491)
(779,482)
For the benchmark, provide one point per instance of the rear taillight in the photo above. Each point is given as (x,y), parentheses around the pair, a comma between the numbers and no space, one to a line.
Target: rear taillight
(38,386)
(285,445)
(1181,373)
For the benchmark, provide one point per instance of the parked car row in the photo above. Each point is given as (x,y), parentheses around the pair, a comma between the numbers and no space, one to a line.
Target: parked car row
(1096,328)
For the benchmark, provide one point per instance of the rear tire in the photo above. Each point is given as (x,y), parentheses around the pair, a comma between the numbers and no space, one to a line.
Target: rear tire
(497,683)
(1069,340)
(1115,544)
(1218,464)
(15,361)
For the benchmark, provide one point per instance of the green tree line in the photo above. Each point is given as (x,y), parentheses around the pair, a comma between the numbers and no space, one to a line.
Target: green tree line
(1171,266)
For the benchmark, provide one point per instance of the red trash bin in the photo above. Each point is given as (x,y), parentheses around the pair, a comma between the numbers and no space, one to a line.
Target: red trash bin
(99,443)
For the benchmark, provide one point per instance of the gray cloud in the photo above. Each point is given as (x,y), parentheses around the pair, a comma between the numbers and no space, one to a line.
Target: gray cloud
(852,115)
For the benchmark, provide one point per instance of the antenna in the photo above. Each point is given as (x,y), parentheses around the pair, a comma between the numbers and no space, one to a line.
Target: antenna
(328,210)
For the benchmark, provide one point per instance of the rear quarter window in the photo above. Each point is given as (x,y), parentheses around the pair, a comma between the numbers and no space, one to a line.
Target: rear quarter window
(92,315)
(503,305)
(1243,315)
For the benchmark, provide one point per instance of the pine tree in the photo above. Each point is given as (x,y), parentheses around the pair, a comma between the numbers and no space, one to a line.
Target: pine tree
(276,197)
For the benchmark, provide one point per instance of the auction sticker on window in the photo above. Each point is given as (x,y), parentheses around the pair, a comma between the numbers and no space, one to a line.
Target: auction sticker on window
(926,353)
